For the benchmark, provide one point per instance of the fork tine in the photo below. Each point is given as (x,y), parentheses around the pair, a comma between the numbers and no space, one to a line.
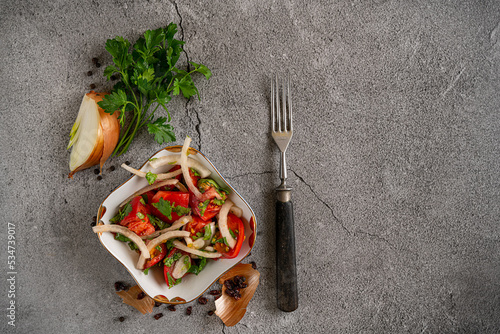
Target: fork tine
(284,106)
(273,109)
(289,102)
(277,107)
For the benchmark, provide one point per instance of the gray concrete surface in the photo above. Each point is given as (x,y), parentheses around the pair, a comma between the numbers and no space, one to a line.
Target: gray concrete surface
(395,159)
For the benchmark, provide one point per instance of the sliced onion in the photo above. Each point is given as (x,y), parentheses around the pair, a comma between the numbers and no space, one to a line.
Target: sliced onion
(93,136)
(198,243)
(126,232)
(180,268)
(161,176)
(149,188)
(181,187)
(182,247)
(166,236)
(222,221)
(175,159)
(236,211)
(175,226)
(209,249)
(185,168)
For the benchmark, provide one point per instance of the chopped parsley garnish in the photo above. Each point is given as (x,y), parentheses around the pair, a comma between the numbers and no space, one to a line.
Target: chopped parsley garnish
(151,177)
(232,233)
(146,271)
(202,206)
(124,212)
(166,208)
(208,232)
(158,222)
(195,172)
(197,268)
(140,215)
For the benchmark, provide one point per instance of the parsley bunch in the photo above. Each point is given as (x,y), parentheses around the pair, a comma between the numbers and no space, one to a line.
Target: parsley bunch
(149,79)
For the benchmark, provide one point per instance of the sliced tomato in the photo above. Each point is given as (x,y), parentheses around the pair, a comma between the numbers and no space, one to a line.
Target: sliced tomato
(156,256)
(176,198)
(148,197)
(202,209)
(137,220)
(197,225)
(236,225)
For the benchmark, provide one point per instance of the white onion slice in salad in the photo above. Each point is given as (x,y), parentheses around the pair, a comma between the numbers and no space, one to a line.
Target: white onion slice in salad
(179,245)
(185,168)
(198,243)
(175,159)
(180,268)
(175,226)
(149,188)
(222,221)
(126,232)
(161,176)
(236,211)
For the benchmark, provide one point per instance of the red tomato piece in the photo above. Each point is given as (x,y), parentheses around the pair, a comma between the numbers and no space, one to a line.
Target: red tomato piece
(157,256)
(236,225)
(137,220)
(197,225)
(176,198)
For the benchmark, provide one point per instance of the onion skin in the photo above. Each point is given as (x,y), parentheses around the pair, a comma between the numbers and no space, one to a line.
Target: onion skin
(107,139)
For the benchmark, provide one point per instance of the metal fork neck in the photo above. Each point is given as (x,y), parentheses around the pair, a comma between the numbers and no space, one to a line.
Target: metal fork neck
(284,192)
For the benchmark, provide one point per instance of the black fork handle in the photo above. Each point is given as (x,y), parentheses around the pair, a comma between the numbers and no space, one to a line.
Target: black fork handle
(286,269)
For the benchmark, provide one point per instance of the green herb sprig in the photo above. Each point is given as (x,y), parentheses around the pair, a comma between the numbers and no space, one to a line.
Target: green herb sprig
(148,80)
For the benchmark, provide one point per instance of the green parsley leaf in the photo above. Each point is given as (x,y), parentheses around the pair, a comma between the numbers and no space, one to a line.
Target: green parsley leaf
(208,232)
(195,172)
(232,233)
(124,212)
(151,177)
(181,211)
(144,198)
(164,207)
(158,248)
(197,268)
(218,201)
(148,79)
(202,69)
(133,246)
(140,215)
(202,206)
(163,132)
(121,237)
(153,159)
(146,271)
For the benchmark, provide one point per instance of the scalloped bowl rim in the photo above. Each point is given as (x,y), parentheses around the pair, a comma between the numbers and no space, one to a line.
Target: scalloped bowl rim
(154,284)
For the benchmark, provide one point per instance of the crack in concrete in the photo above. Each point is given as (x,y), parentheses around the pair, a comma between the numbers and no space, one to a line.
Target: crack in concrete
(197,125)
(322,201)
(182,33)
(376,236)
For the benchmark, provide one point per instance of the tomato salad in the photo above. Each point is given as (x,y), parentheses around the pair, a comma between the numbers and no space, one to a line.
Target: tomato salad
(180,220)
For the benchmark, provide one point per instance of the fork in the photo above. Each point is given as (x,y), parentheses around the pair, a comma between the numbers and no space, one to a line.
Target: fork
(282,131)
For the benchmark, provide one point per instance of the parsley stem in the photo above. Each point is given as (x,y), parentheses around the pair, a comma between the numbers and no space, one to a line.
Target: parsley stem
(124,135)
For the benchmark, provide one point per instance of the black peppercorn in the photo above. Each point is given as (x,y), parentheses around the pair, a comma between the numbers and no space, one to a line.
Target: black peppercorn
(141,295)
(89,73)
(202,300)
(121,319)
(92,86)
(171,308)
(158,316)
(189,310)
